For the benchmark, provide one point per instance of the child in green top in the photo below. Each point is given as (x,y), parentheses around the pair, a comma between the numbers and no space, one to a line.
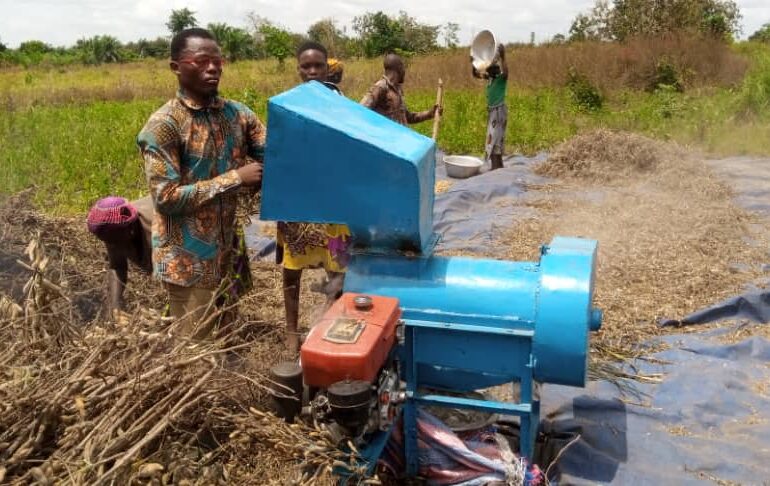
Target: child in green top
(497,76)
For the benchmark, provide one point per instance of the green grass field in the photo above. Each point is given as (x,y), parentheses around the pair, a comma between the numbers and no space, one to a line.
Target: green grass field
(71,133)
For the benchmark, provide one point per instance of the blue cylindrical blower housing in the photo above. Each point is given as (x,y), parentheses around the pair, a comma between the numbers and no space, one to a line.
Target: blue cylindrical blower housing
(551,298)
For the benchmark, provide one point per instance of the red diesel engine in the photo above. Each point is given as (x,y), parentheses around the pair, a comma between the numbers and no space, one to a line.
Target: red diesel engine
(347,365)
(351,341)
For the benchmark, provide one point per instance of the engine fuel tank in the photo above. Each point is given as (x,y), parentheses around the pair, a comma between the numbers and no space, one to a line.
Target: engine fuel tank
(351,341)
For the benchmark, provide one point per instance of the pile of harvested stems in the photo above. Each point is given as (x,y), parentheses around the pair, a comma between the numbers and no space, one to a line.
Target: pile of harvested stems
(315,448)
(86,401)
(82,406)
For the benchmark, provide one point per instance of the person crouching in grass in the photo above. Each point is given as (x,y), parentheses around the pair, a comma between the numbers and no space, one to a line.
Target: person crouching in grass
(125,229)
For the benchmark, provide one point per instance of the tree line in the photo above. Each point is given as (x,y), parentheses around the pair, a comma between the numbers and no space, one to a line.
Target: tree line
(376,33)
(618,20)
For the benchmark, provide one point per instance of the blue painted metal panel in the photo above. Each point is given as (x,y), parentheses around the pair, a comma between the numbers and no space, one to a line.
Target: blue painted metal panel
(464,359)
(501,331)
(564,311)
(458,290)
(330,160)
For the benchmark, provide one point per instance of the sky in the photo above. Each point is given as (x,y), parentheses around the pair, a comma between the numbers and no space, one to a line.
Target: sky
(62,22)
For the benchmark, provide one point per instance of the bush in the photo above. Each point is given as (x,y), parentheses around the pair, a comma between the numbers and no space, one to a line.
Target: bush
(668,102)
(666,77)
(755,92)
(584,94)
(380,33)
(762,34)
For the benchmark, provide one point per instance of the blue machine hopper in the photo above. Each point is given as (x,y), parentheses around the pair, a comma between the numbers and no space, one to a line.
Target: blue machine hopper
(331,160)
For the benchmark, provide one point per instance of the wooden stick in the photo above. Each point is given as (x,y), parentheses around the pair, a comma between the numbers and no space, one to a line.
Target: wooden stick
(440,103)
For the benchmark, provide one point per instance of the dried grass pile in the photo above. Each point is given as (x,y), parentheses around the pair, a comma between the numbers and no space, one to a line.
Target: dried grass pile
(137,406)
(86,401)
(605,155)
(671,240)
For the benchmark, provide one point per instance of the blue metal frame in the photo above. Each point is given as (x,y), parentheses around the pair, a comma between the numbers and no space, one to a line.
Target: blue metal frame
(466,352)
(475,323)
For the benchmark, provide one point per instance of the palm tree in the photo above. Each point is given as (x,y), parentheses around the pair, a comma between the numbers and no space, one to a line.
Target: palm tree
(180,20)
(100,49)
(236,43)
(219,31)
(239,45)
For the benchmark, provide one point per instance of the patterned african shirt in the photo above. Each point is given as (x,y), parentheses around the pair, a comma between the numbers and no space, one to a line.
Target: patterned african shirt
(388,100)
(190,154)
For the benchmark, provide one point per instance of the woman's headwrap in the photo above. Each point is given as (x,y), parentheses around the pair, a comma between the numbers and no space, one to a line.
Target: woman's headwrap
(110,214)
(335,70)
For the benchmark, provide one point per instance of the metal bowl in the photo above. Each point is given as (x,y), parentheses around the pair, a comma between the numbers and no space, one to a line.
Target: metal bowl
(462,166)
(484,50)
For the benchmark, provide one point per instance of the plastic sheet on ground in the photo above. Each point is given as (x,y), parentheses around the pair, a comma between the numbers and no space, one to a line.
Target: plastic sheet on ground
(708,421)
(472,212)
(750,179)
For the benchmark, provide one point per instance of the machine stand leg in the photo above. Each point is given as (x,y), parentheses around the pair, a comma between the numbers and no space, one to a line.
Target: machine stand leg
(529,422)
(526,445)
(535,427)
(410,440)
(411,451)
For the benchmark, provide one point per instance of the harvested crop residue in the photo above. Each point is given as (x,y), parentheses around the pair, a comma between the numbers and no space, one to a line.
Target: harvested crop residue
(605,155)
(87,401)
(671,240)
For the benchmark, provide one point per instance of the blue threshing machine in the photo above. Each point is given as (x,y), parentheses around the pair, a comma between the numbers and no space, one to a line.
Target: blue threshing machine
(463,324)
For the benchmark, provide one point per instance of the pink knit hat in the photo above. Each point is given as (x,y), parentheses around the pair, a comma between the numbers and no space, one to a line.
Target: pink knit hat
(110,213)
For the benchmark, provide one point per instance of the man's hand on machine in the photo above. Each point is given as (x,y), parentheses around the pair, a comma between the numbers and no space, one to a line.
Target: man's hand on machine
(250,174)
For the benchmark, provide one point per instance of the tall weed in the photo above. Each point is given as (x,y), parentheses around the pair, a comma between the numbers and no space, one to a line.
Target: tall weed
(755,91)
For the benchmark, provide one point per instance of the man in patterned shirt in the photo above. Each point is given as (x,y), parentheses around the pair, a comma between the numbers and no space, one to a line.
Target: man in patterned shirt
(200,151)
(386,96)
